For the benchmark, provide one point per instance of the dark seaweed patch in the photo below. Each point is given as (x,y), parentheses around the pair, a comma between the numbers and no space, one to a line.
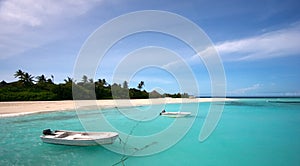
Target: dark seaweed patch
(288,102)
(241,103)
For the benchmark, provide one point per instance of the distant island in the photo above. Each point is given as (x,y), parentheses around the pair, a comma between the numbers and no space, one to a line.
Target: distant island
(41,88)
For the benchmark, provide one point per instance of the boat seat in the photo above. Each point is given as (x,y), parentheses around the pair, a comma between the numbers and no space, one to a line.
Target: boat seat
(62,135)
(75,136)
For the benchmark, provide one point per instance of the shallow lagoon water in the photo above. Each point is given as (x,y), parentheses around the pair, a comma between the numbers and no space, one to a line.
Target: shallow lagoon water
(250,132)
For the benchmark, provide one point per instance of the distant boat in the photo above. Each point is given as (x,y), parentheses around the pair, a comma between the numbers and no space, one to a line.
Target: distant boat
(77,138)
(175,114)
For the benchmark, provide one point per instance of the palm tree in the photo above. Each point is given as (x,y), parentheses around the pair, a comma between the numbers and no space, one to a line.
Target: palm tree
(20,74)
(68,80)
(125,85)
(50,81)
(104,82)
(52,77)
(28,79)
(24,77)
(84,79)
(101,82)
(41,79)
(140,85)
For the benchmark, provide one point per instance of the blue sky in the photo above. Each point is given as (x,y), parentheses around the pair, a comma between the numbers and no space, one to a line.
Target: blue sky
(258,41)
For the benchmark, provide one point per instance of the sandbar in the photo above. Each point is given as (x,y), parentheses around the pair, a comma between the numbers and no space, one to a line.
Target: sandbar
(19,108)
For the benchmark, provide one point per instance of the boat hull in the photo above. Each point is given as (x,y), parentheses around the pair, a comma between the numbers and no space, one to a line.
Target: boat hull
(80,138)
(175,114)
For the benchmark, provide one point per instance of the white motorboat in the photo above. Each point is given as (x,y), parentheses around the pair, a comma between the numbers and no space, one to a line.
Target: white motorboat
(78,138)
(175,114)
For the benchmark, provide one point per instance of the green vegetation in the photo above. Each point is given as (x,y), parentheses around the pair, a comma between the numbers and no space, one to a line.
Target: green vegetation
(30,88)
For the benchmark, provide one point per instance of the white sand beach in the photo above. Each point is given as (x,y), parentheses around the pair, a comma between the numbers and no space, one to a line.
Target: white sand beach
(8,109)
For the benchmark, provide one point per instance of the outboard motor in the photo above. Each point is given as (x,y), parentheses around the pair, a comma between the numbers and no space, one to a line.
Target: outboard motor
(47,132)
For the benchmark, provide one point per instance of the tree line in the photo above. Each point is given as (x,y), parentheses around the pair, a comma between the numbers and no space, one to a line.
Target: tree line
(39,88)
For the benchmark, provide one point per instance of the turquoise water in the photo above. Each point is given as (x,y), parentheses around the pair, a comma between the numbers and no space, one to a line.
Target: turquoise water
(250,132)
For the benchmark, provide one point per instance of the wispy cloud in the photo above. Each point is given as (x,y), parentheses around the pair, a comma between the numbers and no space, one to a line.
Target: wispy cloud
(279,43)
(292,93)
(243,91)
(28,24)
(32,13)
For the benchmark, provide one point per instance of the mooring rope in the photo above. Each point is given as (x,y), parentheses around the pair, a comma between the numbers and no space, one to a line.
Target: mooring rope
(125,157)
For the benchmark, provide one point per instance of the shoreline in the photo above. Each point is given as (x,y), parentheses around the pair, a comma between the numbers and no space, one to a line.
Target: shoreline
(21,108)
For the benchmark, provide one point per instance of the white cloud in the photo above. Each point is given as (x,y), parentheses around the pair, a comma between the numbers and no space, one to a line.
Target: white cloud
(284,42)
(28,24)
(35,13)
(292,93)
